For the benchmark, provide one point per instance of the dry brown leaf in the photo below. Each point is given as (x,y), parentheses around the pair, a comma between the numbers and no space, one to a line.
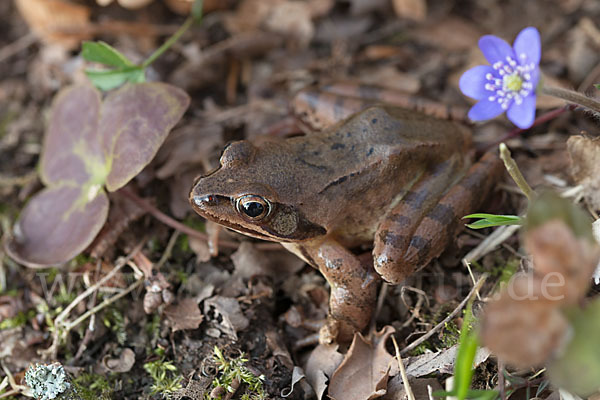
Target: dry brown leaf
(365,370)
(249,15)
(563,264)
(56,21)
(585,166)
(321,364)
(419,387)
(130,4)
(441,361)
(452,33)
(200,248)
(227,310)
(362,7)
(292,19)
(122,364)
(249,261)
(411,9)
(523,333)
(184,315)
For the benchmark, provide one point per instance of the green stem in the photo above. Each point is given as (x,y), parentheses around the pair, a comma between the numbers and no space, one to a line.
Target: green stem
(515,173)
(175,37)
(572,97)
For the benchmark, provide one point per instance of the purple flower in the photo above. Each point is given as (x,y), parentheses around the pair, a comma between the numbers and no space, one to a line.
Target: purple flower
(510,82)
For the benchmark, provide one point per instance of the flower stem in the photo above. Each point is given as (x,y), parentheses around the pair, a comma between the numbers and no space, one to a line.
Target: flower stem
(515,173)
(572,97)
(158,52)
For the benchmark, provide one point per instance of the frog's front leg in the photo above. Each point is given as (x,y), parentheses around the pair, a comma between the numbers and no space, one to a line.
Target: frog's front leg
(353,290)
(405,243)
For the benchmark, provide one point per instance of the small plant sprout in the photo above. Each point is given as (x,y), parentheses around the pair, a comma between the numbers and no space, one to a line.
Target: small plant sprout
(49,381)
(232,374)
(164,375)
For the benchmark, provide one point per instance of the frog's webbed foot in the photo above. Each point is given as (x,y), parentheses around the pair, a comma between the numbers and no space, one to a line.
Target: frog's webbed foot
(406,241)
(353,291)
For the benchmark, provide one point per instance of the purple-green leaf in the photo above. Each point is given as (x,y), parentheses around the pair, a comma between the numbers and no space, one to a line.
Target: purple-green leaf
(55,226)
(90,144)
(135,121)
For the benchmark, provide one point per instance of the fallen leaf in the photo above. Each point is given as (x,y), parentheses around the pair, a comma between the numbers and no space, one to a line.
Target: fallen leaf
(56,21)
(249,261)
(419,386)
(323,361)
(364,372)
(123,212)
(585,166)
(228,310)
(184,315)
(411,9)
(297,376)
(122,364)
(441,361)
(292,19)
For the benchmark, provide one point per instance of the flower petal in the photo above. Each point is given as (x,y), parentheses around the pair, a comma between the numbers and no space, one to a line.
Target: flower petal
(495,49)
(485,110)
(472,83)
(528,43)
(523,115)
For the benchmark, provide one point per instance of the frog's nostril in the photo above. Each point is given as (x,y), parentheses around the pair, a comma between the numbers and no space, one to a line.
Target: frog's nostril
(207,200)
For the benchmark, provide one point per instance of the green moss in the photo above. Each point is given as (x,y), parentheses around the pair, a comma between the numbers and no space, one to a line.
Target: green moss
(93,387)
(165,377)
(18,320)
(233,373)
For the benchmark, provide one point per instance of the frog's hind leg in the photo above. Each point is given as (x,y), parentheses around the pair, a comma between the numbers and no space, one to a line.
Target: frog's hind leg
(410,237)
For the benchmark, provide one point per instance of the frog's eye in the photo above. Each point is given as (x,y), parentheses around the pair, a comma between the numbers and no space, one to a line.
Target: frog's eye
(253,207)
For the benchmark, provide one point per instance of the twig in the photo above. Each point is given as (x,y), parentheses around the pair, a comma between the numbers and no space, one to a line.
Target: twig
(17,46)
(501,385)
(9,181)
(168,250)
(515,173)
(439,326)
(105,303)
(407,388)
(573,97)
(58,321)
(550,115)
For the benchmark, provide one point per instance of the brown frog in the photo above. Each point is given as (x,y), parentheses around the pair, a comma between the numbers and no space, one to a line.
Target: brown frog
(393,178)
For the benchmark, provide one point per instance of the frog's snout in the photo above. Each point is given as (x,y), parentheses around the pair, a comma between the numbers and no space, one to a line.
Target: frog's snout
(203,204)
(204,201)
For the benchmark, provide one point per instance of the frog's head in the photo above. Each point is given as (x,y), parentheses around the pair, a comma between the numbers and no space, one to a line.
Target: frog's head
(245,194)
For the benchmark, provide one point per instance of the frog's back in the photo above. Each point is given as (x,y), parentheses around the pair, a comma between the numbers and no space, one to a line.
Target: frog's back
(373,157)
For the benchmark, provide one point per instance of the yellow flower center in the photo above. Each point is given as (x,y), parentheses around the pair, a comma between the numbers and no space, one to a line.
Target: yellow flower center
(513,82)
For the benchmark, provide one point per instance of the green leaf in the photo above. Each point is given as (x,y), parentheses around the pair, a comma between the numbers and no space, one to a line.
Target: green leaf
(104,53)
(110,79)
(197,9)
(488,220)
(463,367)
(597,86)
